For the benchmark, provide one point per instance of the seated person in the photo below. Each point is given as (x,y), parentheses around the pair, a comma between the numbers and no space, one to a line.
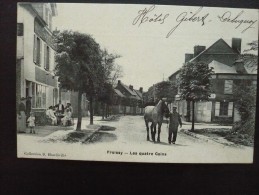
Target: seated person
(67,117)
(51,115)
(70,108)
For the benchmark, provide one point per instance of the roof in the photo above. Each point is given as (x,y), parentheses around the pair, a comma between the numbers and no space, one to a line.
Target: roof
(221,68)
(138,93)
(128,89)
(118,93)
(210,50)
(176,72)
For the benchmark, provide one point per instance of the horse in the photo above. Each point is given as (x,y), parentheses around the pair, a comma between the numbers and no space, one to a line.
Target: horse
(154,114)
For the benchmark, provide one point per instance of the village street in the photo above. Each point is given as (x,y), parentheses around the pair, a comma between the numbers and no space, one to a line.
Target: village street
(128,143)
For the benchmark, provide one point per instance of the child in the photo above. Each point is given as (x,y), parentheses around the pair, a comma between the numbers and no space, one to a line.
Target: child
(31,121)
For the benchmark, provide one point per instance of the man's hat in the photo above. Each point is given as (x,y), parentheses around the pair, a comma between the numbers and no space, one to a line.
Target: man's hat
(174,106)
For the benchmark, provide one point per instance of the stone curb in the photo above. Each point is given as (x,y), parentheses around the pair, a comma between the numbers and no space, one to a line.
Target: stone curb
(206,138)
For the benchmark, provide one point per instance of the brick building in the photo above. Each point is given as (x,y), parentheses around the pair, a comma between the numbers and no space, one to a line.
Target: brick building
(228,72)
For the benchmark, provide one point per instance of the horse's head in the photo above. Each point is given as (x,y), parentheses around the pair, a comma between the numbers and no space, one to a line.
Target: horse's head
(165,109)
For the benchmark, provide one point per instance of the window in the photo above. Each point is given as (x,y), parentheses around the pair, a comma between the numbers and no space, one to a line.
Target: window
(50,22)
(224,109)
(228,89)
(46,16)
(38,96)
(37,50)
(46,57)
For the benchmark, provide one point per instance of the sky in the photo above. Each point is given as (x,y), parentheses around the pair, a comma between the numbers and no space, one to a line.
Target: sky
(147,55)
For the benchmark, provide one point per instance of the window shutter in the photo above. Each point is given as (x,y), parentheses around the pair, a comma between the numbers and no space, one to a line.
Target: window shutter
(230,109)
(45,56)
(217,106)
(49,57)
(35,49)
(40,61)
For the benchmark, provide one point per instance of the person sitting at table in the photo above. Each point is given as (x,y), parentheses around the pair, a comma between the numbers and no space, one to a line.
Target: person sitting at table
(50,114)
(70,108)
(67,117)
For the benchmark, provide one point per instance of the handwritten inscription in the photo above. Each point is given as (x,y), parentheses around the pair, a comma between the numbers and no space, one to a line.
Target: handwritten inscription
(189,17)
(227,17)
(199,17)
(146,15)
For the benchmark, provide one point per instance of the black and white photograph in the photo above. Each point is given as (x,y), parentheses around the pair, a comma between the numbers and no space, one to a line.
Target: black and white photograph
(136,82)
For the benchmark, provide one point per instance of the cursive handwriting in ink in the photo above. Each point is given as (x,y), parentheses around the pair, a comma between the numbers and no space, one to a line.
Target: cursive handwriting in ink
(143,16)
(226,17)
(192,17)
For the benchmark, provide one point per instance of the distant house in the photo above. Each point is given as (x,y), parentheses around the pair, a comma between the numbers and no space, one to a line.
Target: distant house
(228,72)
(131,100)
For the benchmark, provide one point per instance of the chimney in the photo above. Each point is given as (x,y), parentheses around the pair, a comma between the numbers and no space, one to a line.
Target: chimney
(131,87)
(198,49)
(188,57)
(236,44)
(119,82)
(141,89)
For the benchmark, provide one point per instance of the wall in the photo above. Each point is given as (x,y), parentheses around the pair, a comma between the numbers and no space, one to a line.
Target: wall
(25,46)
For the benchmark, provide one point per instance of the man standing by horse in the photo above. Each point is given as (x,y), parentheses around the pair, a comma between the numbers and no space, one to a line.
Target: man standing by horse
(174,122)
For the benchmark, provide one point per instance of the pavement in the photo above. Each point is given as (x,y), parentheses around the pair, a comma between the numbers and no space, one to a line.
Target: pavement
(51,132)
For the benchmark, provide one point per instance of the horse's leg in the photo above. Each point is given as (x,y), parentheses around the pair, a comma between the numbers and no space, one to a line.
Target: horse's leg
(154,133)
(147,130)
(159,130)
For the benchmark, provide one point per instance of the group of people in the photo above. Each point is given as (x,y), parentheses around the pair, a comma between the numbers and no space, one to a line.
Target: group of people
(60,114)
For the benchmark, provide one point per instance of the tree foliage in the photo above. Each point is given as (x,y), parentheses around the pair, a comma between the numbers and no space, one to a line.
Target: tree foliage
(78,61)
(249,58)
(194,81)
(78,64)
(245,94)
(164,89)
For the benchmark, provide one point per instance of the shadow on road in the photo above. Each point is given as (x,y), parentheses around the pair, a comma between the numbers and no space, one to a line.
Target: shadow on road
(167,144)
(102,137)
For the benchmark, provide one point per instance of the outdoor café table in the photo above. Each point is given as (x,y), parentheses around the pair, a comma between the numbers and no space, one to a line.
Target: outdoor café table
(59,117)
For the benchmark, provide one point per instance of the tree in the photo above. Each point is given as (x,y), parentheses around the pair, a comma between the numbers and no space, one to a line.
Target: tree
(164,89)
(112,72)
(249,58)
(195,84)
(245,93)
(79,65)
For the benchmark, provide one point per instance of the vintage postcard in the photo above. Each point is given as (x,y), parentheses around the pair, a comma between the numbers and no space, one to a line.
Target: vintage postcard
(136,83)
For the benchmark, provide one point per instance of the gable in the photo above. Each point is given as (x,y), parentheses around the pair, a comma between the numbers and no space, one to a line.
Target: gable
(220,47)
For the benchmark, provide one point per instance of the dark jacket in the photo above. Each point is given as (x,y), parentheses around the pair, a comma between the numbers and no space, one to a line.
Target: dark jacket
(174,121)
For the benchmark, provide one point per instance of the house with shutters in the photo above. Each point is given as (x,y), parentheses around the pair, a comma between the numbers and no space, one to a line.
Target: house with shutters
(228,73)
(35,55)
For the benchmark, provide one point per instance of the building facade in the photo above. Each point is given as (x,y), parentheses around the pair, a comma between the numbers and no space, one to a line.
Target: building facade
(228,73)
(130,100)
(35,55)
